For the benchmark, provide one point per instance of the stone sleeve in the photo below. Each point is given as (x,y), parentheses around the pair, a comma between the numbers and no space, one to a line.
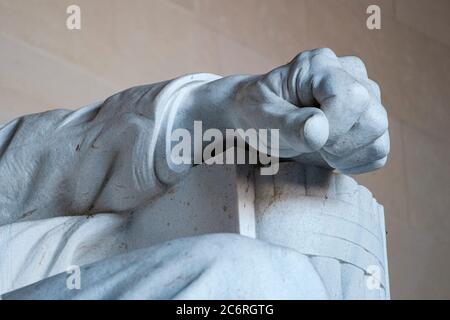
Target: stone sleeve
(100,158)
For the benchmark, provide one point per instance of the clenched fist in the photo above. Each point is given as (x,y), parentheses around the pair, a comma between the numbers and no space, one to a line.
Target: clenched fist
(327,110)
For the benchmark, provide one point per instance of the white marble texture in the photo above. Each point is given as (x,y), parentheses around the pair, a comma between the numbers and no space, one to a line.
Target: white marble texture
(80,188)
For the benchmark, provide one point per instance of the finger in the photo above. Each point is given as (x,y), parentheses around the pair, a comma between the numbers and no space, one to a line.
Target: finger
(379,149)
(305,130)
(372,124)
(301,130)
(301,70)
(354,66)
(342,98)
(366,168)
(373,88)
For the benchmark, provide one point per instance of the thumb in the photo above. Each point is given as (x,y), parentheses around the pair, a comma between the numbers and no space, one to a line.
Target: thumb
(306,131)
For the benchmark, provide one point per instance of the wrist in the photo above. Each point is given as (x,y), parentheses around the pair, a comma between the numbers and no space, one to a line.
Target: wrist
(215,104)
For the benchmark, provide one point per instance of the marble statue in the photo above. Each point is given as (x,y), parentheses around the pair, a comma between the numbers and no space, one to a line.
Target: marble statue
(97,188)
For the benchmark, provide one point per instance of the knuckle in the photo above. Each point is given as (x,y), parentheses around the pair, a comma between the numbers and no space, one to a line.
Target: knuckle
(374,88)
(357,94)
(381,163)
(380,148)
(301,57)
(377,164)
(381,120)
(376,120)
(320,63)
(323,57)
(357,62)
(324,52)
(355,67)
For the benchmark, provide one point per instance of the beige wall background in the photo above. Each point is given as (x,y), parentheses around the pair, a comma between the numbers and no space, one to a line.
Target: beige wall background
(127,42)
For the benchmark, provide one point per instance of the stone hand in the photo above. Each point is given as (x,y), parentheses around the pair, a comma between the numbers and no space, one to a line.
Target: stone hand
(325,107)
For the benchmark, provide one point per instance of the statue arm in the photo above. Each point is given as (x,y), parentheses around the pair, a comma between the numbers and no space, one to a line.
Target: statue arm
(114,156)
(98,159)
